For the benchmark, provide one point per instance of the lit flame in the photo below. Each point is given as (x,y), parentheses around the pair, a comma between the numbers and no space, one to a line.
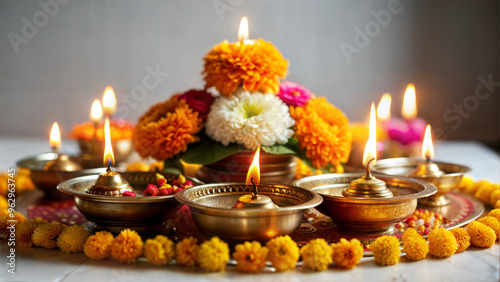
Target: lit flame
(109,101)
(427,147)
(384,107)
(254,170)
(409,110)
(109,158)
(55,136)
(96,112)
(243,31)
(371,144)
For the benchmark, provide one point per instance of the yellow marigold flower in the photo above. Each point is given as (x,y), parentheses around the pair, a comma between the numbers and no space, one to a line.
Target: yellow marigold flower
(484,191)
(322,130)
(138,166)
(24,232)
(386,250)
(495,213)
(481,235)
(442,243)
(256,67)
(491,222)
(213,255)
(466,183)
(317,255)
(462,237)
(495,195)
(159,250)
(166,129)
(473,189)
(3,203)
(98,246)
(283,253)
(45,235)
(72,239)
(186,251)
(414,245)
(127,246)
(497,205)
(250,257)
(347,254)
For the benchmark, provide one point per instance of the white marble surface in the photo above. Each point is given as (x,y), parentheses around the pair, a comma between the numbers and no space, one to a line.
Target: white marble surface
(38,264)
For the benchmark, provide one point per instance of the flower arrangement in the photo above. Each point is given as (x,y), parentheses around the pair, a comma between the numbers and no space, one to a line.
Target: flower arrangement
(250,108)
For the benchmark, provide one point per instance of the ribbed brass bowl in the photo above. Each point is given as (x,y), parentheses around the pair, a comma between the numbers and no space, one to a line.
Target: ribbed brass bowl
(211,209)
(116,213)
(445,183)
(370,215)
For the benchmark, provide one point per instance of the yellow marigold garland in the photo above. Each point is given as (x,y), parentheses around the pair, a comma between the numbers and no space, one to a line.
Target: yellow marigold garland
(414,245)
(186,251)
(159,250)
(283,253)
(442,243)
(481,235)
(250,257)
(317,255)
(491,222)
(98,246)
(166,129)
(322,130)
(386,250)
(347,254)
(495,213)
(72,239)
(256,67)
(462,237)
(45,235)
(213,254)
(24,232)
(127,246)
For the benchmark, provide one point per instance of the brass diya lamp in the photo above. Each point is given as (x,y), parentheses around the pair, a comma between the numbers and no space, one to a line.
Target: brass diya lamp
(365,203)
(63,161)
(446,176)
(248,211)
(109,183)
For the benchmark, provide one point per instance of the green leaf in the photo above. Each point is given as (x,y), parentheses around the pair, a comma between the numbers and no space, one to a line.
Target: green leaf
(173,166)
(278,150)
(208,151)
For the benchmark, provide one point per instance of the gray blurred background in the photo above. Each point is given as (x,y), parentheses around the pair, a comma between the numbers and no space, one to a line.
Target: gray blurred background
(56,57)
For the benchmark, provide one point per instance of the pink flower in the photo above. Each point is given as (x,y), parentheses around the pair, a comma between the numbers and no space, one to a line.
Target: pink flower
(293,94)
(151,190)
(199,101)
(128,194)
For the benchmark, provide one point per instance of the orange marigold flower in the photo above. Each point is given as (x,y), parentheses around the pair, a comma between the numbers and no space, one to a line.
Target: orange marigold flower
(347,254)
(386,250)
(442,243)
(462,237)
(127,246)
(481,235)
(491,222)
(166,129)
(323,132)
(72,239)
(414,245)
(250,257)
(98,246)
(256,67)
(213,255)
(317,255)
(45,235)
(283,253)
(495,213)
(24,232)
(159,250)
(186,251)
(120,129)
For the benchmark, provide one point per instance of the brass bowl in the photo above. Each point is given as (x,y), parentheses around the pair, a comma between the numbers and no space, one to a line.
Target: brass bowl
(369,215)
(211,209)
(92,151)
(445,183)
(117,213)
(48,180)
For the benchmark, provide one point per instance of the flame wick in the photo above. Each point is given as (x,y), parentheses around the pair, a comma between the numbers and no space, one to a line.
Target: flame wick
(255,193)
(368,167)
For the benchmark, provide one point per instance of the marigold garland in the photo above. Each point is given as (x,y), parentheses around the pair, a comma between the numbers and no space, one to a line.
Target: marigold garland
(98,246)
(24,232)
(495,213)
(414,245)
(255,67)
(481,235)
(186,251)
(213,255)
(159,250)
(45,235)
(72,239)
(317,255)
(283,253)
(492,223)
(442,243)
(323,132)
(127,246)
(462,237)
(250,257)
(347,254)
(166,129)
(386,250)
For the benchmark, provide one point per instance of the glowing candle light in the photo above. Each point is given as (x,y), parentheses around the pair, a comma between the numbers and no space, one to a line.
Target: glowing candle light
(254,170)
(96,112)
(55,137)
(384,108)
(427,146)
(409,110)
(371,145)
(109,101)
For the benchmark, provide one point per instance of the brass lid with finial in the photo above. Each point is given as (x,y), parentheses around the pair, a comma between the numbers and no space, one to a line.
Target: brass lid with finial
(367,186)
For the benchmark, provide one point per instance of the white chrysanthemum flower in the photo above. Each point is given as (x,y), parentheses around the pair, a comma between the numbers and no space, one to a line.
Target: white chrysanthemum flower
(250,119)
